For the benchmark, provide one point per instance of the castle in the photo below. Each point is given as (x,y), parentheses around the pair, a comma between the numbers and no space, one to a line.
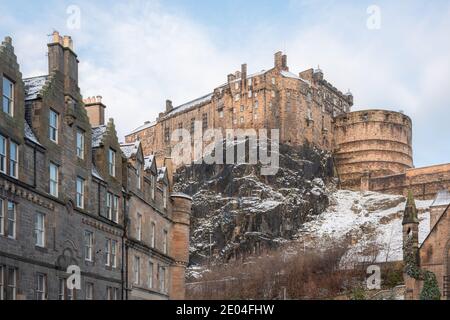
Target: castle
(72,196)
(372,149)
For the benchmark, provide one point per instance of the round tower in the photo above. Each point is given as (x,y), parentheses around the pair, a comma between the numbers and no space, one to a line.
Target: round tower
(181,213)
(372,143)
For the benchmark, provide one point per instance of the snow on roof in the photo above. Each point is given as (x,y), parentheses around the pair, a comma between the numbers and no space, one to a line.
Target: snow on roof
(96,174)
(148,162)
(29,134)
(288,74)
(130,149)
(146,125)
(202,100)
(97,135)
(161,173)
(33,86)
(442,199)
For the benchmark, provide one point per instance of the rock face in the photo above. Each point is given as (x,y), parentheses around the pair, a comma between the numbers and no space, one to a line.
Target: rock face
(236,211)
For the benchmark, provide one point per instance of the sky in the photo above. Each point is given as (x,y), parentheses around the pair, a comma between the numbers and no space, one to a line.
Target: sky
(136,54)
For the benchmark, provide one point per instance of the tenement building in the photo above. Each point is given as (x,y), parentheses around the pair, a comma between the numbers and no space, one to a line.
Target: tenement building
(81,215)
(372,149)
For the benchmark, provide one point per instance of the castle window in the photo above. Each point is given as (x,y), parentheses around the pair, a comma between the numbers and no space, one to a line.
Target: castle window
(273,93)
(180,128)
(205,121)
(2,154)
(88,245)
(242,120)
(166,134)
(54,177)
(236,86)
(80,193)
(112,162)
(221,113)
(256,105)
(192,126)
(53,126)
(249,82)
(250,93)
(39,230)
(255,116)
(234,110)
(237,97)
(80,144)
(273,81)
(8,96)
(13,159)
(242,108)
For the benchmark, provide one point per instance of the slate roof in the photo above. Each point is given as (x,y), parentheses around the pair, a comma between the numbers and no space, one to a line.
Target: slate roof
(442,199)
(96,174)
(161,173)
(33,86)
(97,135)
(29,134)
(146,125)
(130,149)
(148,162)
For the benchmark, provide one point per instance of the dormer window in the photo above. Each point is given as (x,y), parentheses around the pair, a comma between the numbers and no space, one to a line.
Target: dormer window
(112,162)
(8,97)
(53,126)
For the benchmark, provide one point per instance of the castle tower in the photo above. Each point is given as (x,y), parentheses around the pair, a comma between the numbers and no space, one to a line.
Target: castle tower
(181,205)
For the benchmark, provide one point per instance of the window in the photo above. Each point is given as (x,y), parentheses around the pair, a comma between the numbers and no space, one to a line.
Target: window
(242,120)
(41,287)
(115,216)
(53,126)
(165,241)
(112,162)
(108,252)
(273,80)
(256,105)
(162,279)
(152,186)
(2,282)
(114,253)
(221,113)
(54,177)
(255,116)
(11,289)
(236,85)
(152,235)
(237,97)
(2,218)
(2,154)
(13,159)
(89,291)
(139,227)
(192,129)
(166,134)
(80,193)
(250,93)
(11,220)
(249,81)
(62,289)
(242,108)
(137,269)
(80,144)
(138,175)
(273,93)
(205,121)
(165,197)
(109,205)
(112,293)
(8,96)
(88,245)
(150,275)
(39,230)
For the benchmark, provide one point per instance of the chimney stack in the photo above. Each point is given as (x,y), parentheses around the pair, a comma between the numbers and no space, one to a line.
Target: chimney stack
(95,110)
(284,65)
(278,60)
(169,106)
(244,75)
(230,78)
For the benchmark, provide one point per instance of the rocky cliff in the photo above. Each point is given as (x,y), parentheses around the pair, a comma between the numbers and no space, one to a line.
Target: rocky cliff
(236,211)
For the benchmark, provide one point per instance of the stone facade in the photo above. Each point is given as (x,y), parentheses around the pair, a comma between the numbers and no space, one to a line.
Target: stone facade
(273,99)
(433,254)
(70,194)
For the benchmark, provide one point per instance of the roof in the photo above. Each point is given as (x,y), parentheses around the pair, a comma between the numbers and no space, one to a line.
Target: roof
(191,104)
(288,74)
(97,135)
(130,149)
(161,173)
(29,134)
(148,162)
(33,86)
(146,125)
(96,174)
(442,199)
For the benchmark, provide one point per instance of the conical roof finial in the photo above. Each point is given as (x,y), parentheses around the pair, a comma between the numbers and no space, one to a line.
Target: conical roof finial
(410,213)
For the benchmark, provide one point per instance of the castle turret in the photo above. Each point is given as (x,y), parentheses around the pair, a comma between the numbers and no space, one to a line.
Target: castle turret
(181,211)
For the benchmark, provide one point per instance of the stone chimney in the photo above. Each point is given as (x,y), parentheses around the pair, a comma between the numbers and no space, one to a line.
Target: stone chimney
(278,60)
(169,106)
(231,78)
(62,58)
(95,110)
(244,75)
(284,65)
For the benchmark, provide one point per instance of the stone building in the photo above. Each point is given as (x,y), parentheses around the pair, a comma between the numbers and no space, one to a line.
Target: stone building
(302,106)
(71,195)
(432,255)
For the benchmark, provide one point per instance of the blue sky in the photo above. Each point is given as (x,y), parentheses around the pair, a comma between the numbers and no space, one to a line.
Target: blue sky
(139,53)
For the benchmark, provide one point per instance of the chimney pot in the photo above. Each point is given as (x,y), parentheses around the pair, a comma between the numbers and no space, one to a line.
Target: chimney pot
(278,60)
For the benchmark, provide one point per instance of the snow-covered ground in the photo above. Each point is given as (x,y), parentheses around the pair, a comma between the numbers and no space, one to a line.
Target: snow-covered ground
(372,222)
